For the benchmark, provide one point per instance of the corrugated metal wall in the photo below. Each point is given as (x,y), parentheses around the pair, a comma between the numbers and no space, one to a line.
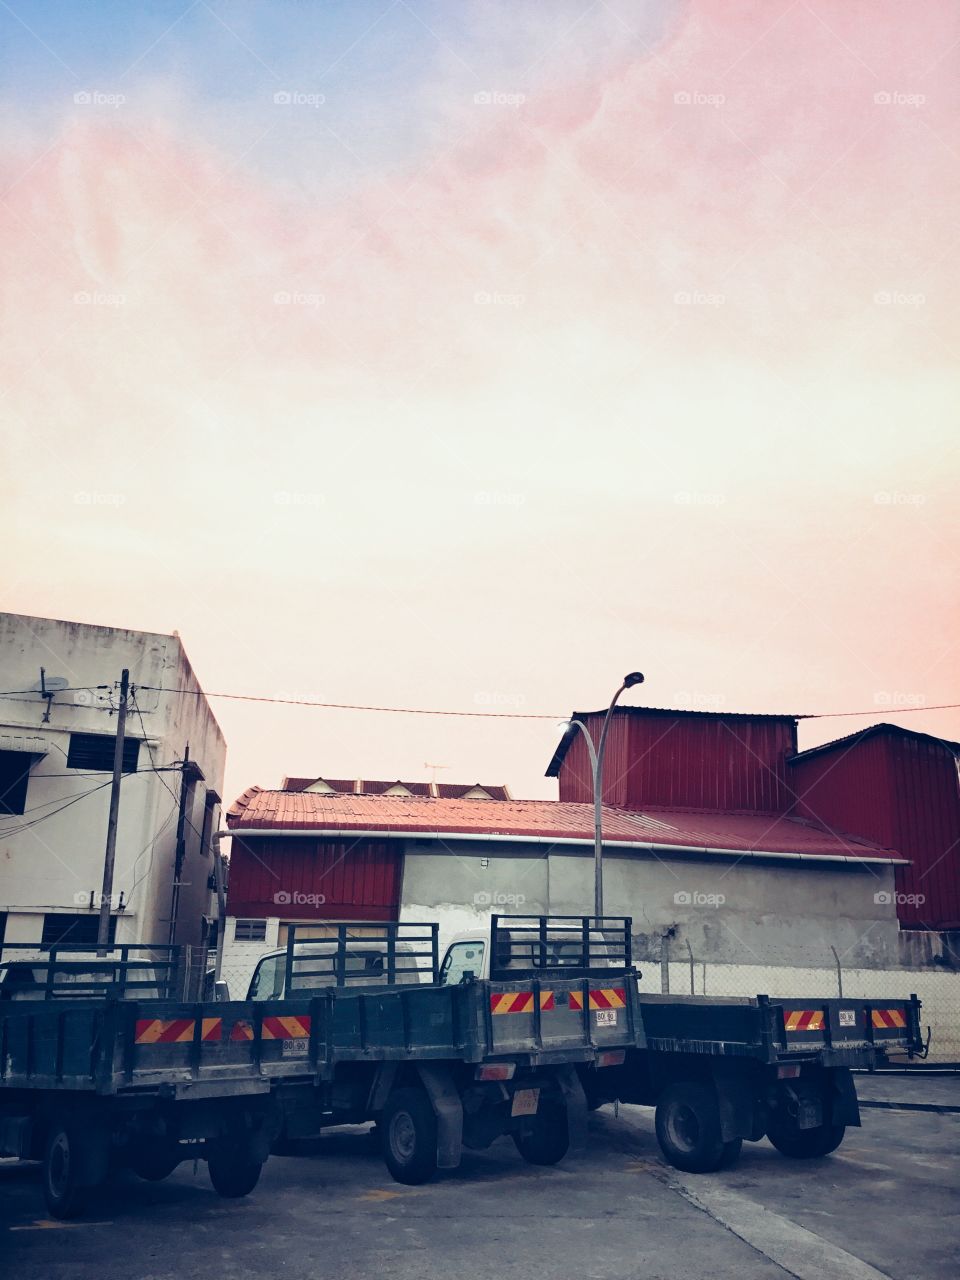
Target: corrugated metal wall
(734,763)
(273,876)
(903,793)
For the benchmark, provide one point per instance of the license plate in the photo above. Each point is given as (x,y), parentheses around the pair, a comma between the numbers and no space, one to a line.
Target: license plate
(606,1017)
(848,1018)
(525,1102)
(295,1048)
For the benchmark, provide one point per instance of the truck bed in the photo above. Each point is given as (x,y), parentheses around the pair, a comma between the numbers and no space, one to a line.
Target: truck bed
(772,1030)
(204,1049)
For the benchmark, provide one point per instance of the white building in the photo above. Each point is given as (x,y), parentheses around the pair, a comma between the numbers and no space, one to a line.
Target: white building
(57,736)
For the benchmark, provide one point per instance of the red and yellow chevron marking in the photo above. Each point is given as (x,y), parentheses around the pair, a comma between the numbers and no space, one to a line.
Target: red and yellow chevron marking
(602,998)
(888,1018)
(286,1028)
(176,1030)
(519,1001)
(804,1020)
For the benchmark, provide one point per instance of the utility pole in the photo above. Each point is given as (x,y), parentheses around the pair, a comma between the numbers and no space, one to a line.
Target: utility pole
(110,854)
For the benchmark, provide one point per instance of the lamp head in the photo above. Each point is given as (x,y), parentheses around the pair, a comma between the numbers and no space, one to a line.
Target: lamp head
(635,677)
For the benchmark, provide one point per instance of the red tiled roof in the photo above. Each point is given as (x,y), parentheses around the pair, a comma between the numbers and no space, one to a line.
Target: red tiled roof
(362,786)
(264,811)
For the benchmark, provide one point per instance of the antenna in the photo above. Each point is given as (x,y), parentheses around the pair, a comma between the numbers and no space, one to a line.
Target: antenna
(47,688)
(433,769)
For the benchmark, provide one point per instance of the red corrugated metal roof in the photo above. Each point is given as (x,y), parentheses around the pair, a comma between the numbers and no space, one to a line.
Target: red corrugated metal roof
(362,786)
(258,810)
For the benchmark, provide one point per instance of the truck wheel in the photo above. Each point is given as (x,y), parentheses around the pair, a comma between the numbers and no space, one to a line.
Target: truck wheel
(688,1129)
(409,1136)
(154,1161)
(544,1138)
(61,1171)
(807,1144)
(233,1173)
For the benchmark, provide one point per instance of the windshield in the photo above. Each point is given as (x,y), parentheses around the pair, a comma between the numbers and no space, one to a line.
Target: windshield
(461,960)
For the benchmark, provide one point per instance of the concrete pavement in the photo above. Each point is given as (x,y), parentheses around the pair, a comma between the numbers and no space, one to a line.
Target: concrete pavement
(884,1206)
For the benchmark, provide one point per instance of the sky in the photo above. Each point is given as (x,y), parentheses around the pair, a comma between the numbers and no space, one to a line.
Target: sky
(469,354)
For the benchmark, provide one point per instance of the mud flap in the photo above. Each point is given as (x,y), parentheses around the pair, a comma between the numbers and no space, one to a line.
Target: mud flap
(845,1107)
(448,1109)
(739,1115)
(575,1101)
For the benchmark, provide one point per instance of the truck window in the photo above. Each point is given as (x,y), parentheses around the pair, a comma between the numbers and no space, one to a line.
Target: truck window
(267,981)
(462,958)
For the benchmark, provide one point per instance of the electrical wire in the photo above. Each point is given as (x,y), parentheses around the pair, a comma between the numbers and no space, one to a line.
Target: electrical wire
(504,715)
(28,826)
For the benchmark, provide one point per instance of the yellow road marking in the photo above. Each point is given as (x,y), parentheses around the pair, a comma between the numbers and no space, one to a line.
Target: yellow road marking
(380,1193)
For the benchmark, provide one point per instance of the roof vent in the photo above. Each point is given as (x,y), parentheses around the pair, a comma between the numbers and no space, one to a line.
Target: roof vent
(398,789)
(477,793)
(320,788)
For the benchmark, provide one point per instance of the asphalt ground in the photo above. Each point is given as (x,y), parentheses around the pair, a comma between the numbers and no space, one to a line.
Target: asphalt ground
(885,1205)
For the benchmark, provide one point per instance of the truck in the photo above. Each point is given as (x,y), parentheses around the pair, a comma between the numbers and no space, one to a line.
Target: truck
(723,1070)
(358,1028)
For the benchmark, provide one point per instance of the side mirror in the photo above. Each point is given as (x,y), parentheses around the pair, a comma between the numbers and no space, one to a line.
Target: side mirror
(221,991)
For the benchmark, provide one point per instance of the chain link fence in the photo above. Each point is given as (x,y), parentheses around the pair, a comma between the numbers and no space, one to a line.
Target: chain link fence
(680,971)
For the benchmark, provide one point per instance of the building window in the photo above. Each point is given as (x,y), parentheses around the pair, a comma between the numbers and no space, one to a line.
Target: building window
(250,931)
(94,752)
(14,773)
(64,930)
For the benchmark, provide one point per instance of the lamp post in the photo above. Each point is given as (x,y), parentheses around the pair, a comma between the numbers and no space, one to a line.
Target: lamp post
(596,767)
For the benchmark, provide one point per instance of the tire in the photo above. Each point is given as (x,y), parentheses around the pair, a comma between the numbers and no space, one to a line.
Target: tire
(154,1161)
(688,1129)
(233,1173)
(62,1190)
(409,1136)
(807,1144)
(545,1138)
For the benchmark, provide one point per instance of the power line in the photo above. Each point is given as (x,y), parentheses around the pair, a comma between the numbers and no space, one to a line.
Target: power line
(505,715)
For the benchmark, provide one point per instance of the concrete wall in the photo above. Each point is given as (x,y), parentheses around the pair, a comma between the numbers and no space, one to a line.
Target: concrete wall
(57,863)
(731,912)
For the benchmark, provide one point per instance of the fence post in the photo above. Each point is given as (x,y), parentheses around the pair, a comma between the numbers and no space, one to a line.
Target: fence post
(665,964)
(839,973)
(693,982)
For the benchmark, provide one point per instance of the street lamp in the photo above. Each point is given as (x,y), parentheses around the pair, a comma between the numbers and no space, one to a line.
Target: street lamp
(596,767)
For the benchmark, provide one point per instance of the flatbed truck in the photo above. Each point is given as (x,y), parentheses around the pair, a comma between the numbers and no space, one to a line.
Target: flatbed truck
(721,1071)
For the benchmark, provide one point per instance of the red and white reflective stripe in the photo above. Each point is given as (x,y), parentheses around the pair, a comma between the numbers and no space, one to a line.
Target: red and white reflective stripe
(519,1001)
(804,1020)
(175,1030)
(601,998)
(889,1019)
